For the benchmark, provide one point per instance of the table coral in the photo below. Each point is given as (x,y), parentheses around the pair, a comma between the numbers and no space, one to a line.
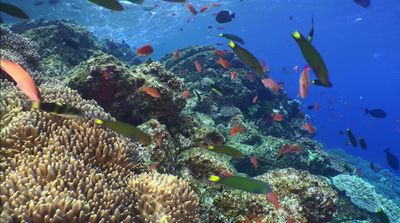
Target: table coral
(364,196)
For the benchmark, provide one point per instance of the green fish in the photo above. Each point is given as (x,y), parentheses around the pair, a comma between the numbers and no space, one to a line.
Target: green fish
(216,90)
(382,216)
(243,183)
(109,4)
(314,59)
(126,129)
(62,110)
(227,150)
(310,36)
(247,58)
(13,10)
(232,37)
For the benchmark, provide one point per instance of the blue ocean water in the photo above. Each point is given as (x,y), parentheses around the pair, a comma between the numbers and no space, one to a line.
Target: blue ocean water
(360,47)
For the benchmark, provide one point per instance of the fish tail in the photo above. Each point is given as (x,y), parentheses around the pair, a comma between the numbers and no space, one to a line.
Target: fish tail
(386,150)
(366,111)
(233,15)
(36,104)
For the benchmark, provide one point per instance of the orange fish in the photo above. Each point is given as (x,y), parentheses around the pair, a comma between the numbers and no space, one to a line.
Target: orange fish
(278,117)
(234,75)
(235,130)
(215,4)
(271,84)
(316,106)
(254,162)
(186,94)
(153,92)
(144,50)
(255,99)
(273,198)
(224,63)
(220,53)
(304,83)
(176,54)
(309,128)
(204,9)
(154,165)
(24,82)
(199,68)
(290,220)
(289,149)
(191,9)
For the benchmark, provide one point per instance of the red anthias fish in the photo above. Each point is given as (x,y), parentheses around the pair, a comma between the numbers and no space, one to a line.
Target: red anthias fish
(234,75)
(191,9)
(304,83)
(289,149)
(24,81)
(278,117)
(316,106)
(186,94)
(144,50)
(153,92)
(254,162)
(204,9)
(271,84)
(215,4)
(309,128)
(199,68)
(235,130)
(255,99)
(273,198)
(176,54)
(220,53)
(224,63)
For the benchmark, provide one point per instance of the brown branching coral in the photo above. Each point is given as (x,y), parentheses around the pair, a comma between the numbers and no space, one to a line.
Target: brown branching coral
(19,49)
(164,198)
(54,169)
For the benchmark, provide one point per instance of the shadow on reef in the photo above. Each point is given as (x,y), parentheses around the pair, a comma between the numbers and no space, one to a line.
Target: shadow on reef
(57,169)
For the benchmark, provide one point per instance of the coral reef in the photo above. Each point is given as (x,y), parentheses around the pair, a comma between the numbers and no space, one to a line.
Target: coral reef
(238,92)
(19,49)
(57,169)
(62,44)
(363,195)
(164,198)
(118,88)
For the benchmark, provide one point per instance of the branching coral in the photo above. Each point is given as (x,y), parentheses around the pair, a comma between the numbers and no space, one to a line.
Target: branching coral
(164,198)
(54,169)
(19,49)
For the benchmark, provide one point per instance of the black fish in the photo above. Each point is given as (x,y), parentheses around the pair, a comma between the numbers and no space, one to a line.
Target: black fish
(353,140)
(225,16)
(310,107)
(376,113)
(362,143)
(363,3)
(373,167)
(310,36)
(392,159)
(38,3)
(54,1)
(348,168)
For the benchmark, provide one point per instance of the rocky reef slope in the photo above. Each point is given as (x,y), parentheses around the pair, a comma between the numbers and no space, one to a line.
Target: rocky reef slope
(54,169)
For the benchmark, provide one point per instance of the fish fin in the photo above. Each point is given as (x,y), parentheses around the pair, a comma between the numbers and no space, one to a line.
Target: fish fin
(233,15)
